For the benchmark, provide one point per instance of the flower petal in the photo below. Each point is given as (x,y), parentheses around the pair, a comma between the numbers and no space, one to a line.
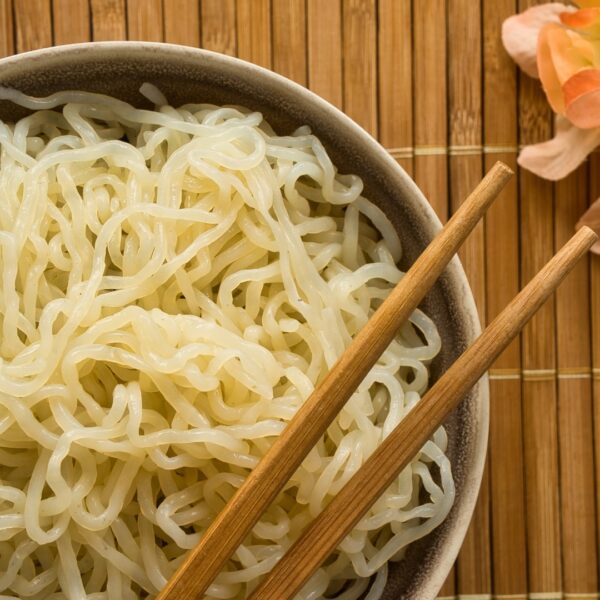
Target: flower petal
(586,18)
(557,157)
(561,54)
(591,218)
(520,33)
(582,97)
(551,37)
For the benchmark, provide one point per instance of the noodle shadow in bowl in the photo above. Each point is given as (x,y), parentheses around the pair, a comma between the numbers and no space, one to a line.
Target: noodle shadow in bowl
(190,75)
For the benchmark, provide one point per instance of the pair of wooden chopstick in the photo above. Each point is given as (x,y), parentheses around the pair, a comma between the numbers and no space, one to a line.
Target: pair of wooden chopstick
(263,484)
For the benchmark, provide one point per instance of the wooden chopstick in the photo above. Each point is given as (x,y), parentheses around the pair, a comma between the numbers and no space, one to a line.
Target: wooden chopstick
(405,441)
(263,484)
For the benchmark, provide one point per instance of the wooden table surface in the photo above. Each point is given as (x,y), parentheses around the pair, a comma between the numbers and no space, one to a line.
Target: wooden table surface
(430,80)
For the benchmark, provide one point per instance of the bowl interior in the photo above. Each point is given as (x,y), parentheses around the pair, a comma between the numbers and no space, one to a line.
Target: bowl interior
(189,75)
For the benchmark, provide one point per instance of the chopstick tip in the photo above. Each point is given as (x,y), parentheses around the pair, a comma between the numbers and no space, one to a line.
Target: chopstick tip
(588,234)
(504,168)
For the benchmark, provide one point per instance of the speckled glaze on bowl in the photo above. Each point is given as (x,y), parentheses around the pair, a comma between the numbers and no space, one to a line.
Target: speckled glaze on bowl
(190,75)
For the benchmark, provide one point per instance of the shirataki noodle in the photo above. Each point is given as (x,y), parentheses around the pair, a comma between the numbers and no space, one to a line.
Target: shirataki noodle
(173,285)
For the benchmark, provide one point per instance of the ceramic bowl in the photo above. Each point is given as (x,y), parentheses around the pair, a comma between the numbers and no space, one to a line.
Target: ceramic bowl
(190,75)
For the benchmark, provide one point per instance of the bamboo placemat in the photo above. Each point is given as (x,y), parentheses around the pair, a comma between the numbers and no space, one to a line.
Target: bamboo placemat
(430,79)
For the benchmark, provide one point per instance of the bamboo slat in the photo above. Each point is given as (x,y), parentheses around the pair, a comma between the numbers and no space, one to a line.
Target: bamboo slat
(430,128)
(108,20)
(254,36)
(324,41)
(145,20)
(507,494)
(430,102)
(33,24)
(359,26)
(539,353)
(71,21)
(465,116)
(219,26)
(465,108)
(395,80)
(540,411)
(594,193)
(576,437)
(182,22)
(7,41)
(289,39)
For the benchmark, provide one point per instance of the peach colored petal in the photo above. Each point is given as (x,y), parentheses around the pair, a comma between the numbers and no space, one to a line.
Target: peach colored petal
(591,218)
(520,33)
(581,83)
(562,154)
(565,48)
(586,18)
(582,98)
(587,48)
(559,57)
(546,67)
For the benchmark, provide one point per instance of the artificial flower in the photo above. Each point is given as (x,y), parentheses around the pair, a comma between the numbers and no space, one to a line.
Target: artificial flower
(560,44)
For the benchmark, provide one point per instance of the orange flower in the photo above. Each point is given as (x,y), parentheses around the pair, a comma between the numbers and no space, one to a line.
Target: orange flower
(560,44)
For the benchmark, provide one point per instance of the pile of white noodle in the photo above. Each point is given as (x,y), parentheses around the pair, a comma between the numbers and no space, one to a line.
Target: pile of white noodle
(173,284)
